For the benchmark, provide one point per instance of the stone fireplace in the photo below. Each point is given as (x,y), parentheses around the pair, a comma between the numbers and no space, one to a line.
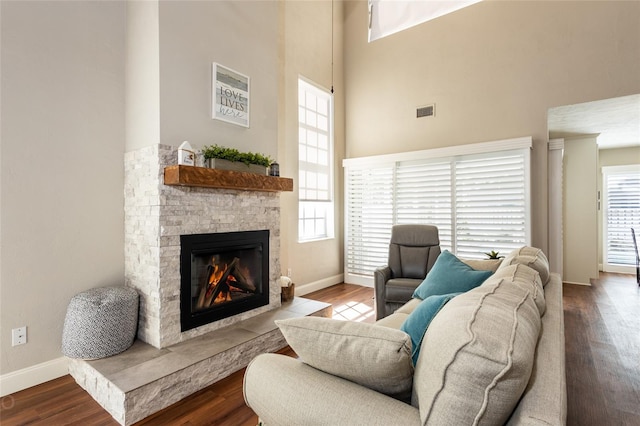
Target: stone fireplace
(157,216)
(231,238)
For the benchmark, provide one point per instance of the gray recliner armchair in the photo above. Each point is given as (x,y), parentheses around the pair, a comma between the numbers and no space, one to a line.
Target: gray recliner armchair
(413,250)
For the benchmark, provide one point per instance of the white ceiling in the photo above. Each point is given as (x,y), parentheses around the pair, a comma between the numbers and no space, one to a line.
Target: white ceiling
(617,121)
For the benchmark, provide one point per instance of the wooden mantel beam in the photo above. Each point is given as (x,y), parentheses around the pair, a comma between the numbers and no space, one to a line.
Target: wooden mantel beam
(179,175)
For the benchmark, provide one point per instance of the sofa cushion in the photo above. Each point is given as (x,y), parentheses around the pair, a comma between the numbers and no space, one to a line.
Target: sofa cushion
(544,401)
(483,264)
(394,320)
(370,355)
(418,321)
(532,257)
(408,307)
(450,275)
(284,391)
(477,355)
(524,276)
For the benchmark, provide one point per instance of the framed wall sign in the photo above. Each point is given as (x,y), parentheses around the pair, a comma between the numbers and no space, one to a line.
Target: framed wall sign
(230,97)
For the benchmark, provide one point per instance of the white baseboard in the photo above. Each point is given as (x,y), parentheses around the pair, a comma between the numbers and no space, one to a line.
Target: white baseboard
(576,283)
(34,375)
(359,280)
(619,269)
(319,285)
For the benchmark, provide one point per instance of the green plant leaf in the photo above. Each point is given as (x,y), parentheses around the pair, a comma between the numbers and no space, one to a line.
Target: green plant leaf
(494,255)
(232,154)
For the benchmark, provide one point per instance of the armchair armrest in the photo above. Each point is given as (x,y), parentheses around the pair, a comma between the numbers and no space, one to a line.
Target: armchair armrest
(380,277)
(284,391)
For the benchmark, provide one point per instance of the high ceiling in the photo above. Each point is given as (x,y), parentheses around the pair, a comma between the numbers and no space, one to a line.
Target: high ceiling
(617,121)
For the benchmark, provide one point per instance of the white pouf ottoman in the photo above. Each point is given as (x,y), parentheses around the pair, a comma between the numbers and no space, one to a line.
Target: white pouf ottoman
(100,322)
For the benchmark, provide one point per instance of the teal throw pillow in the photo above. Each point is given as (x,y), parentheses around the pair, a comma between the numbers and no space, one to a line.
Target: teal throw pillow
(418,321)
(449,275)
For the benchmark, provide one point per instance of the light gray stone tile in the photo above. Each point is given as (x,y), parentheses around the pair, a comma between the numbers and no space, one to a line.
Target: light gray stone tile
(265,323)
(305,306)
(149,371)
(137,354)
(214,343)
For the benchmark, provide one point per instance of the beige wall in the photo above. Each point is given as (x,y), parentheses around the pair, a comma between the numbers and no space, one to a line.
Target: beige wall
(171,48)
(142,75)
(240,35)
(493,70)
(307,52)
(579,207)
(170,51)
(618,157)
(62,166)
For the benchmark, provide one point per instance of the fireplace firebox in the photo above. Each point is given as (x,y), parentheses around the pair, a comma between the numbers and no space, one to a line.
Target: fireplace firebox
(221,275)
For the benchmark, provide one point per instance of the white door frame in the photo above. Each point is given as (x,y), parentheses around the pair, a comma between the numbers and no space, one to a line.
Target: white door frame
(555,195)
(607,267)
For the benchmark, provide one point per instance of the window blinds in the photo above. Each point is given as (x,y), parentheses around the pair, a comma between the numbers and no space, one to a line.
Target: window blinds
(423,195)
(491,209)
(369,207)
(479,203)
(622,212)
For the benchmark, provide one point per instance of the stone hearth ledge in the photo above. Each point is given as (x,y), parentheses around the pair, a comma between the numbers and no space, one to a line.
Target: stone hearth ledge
(143,379)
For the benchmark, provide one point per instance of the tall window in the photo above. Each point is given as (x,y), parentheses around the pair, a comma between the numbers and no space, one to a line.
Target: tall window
(315,162)
(621,212)
(479,202)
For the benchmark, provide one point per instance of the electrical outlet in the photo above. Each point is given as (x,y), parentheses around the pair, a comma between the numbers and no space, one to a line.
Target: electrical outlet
(19,336)
(289,272)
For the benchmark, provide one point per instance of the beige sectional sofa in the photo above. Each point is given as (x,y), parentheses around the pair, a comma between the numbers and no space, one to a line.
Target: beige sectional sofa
(492,355)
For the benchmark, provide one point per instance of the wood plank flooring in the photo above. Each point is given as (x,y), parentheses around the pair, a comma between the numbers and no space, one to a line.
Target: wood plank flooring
(602,332)
(602,341)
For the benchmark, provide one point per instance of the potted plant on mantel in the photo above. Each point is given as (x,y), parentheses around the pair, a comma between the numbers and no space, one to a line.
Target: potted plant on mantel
(219,157)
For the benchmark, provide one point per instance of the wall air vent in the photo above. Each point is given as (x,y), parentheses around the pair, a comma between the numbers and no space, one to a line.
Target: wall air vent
(426,111)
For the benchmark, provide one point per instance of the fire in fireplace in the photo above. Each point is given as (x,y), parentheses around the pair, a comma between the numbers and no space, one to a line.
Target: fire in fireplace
(222,274)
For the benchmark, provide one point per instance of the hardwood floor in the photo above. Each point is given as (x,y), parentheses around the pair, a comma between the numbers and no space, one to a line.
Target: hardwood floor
(602,332)
(602,335)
